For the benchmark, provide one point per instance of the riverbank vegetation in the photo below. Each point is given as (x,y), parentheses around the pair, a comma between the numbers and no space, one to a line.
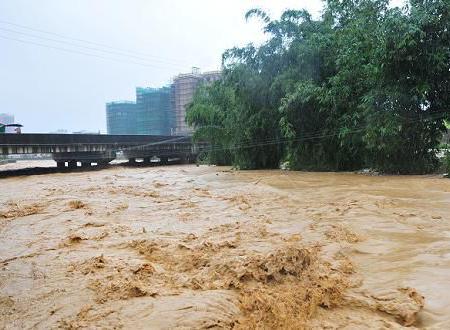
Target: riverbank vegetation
(365,85)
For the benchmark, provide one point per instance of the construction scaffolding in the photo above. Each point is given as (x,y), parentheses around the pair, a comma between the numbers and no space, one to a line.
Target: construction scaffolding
(183,90)
(158,111)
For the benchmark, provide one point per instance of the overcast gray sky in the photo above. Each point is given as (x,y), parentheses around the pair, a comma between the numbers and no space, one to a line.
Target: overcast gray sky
(56,81)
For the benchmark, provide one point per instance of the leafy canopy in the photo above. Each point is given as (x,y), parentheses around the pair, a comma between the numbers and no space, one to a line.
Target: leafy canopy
(363,86)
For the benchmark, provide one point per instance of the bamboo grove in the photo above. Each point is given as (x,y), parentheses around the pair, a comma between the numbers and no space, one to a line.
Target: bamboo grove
(364,86)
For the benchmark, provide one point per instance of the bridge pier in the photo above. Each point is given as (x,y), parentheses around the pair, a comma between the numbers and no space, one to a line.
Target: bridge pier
(86,158)
(132,161)
(186,159)
(60,164)
(164,160)
(72,164)
(102,163)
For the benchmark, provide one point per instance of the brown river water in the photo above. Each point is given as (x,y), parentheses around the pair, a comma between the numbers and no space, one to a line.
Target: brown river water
(206,247)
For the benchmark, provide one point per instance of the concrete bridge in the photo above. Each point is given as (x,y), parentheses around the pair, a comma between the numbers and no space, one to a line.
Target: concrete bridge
(86,149)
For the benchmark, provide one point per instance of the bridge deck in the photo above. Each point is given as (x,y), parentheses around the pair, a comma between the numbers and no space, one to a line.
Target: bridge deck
(59,143)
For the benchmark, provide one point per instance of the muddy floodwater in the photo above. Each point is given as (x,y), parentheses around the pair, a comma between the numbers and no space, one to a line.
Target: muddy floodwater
(207,247)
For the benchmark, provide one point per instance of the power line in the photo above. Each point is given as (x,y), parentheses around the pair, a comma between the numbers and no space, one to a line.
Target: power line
(89,48)
(174,139)
(91,42)
(269,141)
(274,141)
(78,52)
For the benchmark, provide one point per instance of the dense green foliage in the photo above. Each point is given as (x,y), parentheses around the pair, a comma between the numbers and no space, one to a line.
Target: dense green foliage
(363,86)
(446,162)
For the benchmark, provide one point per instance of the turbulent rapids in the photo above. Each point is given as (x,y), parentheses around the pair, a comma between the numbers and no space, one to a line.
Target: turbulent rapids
(207,247)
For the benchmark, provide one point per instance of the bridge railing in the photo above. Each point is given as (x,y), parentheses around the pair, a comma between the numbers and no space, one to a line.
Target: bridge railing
(56,143)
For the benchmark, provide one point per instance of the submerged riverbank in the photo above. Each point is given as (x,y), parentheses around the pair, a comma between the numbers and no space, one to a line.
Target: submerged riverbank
(193,247)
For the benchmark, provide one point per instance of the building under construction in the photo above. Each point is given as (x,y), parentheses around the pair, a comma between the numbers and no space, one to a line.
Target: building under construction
(121,117)
(183,90)
(158,111)
(154,110)
(149,115)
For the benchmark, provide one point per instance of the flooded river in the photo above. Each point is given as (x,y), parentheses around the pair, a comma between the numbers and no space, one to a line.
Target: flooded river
(207,247)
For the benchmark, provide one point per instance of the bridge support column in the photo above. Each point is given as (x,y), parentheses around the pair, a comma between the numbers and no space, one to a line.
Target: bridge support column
(85,164)
(186,159)
(102,163)
(60,164)
(164,160)
(72,164)
(132,161)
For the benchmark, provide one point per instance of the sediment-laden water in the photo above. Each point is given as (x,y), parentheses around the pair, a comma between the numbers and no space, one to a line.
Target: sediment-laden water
(206,247)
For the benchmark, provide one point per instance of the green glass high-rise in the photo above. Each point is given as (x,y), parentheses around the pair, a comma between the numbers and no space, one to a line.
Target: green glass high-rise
(121,117)
(150,115)
(153,111)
